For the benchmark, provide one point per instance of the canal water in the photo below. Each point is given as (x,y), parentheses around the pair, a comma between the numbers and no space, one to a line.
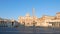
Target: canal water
(29,30)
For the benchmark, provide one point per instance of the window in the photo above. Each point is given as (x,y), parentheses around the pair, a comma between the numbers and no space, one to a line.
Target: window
(28,23)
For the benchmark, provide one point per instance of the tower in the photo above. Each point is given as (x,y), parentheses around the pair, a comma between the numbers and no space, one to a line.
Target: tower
(33,12)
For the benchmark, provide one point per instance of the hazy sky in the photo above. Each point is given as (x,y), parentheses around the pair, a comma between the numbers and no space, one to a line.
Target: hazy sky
(14,8)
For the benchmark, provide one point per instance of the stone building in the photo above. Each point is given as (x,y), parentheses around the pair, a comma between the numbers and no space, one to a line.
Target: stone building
(43,21)
(26,20)
(8,22)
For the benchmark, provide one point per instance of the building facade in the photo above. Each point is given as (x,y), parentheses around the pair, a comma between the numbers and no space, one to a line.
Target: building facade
(43,21)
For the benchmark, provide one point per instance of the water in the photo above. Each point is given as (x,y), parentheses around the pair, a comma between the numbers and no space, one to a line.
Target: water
(29,30)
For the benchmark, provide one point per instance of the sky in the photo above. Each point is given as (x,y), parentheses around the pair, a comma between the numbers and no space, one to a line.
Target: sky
(15,8)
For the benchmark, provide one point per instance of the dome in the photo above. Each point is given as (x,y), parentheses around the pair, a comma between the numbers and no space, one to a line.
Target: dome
(27,14)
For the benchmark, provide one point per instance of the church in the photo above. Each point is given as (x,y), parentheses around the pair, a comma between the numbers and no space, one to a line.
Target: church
(44,21)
